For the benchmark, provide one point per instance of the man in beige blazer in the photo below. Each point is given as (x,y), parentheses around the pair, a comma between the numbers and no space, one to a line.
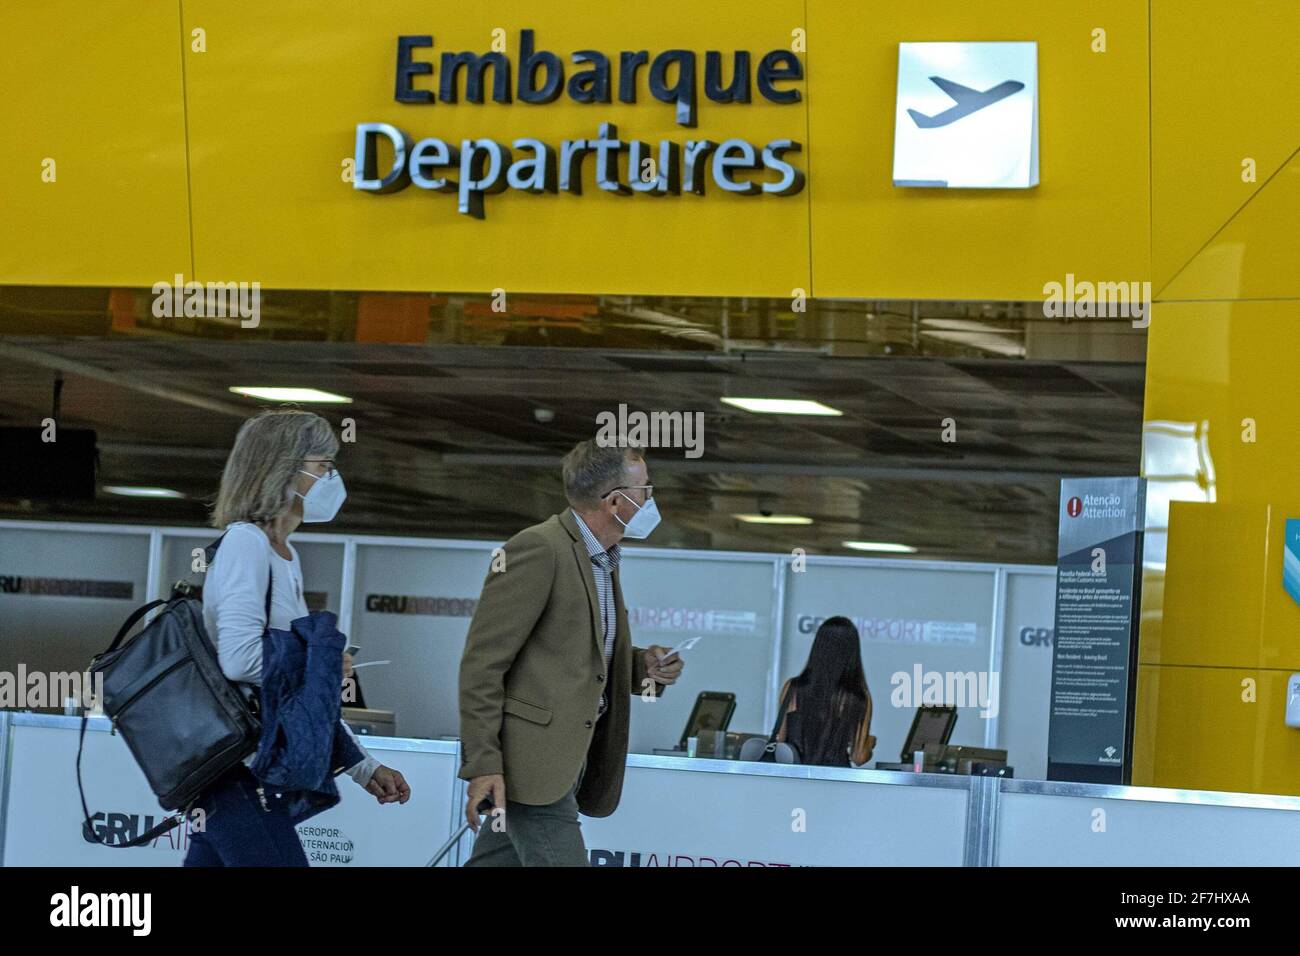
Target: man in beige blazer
(549,670)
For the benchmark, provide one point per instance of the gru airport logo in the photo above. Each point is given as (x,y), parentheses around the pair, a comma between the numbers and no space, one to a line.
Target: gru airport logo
(485,167)
(119,828)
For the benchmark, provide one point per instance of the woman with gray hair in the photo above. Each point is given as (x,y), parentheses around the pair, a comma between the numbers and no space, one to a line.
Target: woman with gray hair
(280,472)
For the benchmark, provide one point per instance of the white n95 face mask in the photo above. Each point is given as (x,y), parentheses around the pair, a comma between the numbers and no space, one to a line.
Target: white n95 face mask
(324,499)
(643,522)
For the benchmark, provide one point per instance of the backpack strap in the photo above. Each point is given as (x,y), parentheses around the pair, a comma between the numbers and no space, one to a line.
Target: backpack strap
(210,552)
(131,622)
(270,576)
(250,692)
(88,828)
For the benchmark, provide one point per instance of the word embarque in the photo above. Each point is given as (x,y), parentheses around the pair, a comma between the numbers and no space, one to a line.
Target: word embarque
(624,167)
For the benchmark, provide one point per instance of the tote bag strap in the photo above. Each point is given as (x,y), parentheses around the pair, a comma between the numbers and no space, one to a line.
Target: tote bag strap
(780,712)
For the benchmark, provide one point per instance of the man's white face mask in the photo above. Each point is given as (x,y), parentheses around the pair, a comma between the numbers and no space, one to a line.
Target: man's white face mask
(643,522)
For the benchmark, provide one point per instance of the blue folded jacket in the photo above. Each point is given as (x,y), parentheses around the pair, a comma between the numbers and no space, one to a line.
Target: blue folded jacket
(303,743)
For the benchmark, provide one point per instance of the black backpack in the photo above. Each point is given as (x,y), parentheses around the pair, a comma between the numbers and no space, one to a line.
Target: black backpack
(185,723)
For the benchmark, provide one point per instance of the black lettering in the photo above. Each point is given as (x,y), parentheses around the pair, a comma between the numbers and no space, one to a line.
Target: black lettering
(407,68)
(779,65)
(529,61)
(92,827)
(683,90)
(590,86)
(475,67)
(738,90)
(628,64)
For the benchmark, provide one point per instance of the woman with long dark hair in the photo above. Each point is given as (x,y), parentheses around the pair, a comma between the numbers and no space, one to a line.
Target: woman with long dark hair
(827,708)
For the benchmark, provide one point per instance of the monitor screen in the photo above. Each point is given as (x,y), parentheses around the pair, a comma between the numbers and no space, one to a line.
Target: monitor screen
(710,713)
(932,725)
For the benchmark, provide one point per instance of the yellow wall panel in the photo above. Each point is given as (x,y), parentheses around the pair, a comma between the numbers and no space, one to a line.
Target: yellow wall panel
(1224,88)
(95,87)
(1222,630)
(1254,256)
(1228,364)
(1088,215)
(1194,730)
(247,138)
(273,98)
(1226,367)
(274,104)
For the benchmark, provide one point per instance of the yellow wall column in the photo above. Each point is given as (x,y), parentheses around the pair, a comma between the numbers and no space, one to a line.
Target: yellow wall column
(1221,452)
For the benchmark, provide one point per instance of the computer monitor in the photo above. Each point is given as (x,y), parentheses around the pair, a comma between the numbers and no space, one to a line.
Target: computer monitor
(712,711)
(380,723)
(930,725)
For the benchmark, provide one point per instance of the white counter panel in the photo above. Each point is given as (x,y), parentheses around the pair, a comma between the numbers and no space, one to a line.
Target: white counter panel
(1050,830)
(44,819)
(692,817)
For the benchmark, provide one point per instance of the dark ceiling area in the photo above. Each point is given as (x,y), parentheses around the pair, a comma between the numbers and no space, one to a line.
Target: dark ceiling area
(839,327)
(460,434)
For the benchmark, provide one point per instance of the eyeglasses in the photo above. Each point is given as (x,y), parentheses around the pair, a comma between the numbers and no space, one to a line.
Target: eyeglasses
(329,472)
(648,489)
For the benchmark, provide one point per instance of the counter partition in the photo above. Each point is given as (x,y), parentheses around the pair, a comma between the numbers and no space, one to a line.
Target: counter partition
(675,811)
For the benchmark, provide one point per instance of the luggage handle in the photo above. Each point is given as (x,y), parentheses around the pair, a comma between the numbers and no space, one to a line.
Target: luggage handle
(484,806)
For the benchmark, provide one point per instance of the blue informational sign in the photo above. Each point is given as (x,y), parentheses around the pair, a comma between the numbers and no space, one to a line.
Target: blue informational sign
(1094,663)
(1291,559)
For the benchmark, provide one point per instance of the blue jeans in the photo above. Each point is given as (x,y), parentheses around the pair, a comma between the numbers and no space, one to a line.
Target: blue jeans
(238,832)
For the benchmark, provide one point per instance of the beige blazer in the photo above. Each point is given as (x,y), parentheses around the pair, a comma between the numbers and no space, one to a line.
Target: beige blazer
(533,671)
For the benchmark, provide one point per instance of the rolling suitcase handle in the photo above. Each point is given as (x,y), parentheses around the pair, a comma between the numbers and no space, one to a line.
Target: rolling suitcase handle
(484,806)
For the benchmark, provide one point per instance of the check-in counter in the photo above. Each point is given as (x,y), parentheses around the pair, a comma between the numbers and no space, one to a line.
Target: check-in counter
(680,811)
(1039,823)
(675,811)
(410,601)
(41,819)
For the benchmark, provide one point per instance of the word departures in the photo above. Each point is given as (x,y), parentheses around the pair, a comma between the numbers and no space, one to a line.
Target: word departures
(484,167)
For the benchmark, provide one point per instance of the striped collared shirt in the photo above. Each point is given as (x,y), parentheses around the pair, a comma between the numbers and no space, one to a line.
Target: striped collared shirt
(603,565)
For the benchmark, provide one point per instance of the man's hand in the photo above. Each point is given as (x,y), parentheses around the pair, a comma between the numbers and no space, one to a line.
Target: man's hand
(347,664)
(389,786)
(664,672)
(490,785)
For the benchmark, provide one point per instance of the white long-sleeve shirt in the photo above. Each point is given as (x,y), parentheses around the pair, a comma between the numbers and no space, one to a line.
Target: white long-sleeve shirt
(234,610)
